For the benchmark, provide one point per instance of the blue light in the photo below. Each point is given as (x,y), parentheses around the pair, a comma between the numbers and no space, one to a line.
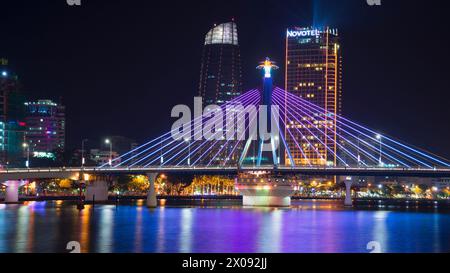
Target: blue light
(267,71)
(4,73)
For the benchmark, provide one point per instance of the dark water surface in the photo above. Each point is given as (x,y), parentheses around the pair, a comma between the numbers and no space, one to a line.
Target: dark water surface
(219,226)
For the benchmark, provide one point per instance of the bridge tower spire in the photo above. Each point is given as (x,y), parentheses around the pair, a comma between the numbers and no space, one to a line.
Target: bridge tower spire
(267,67)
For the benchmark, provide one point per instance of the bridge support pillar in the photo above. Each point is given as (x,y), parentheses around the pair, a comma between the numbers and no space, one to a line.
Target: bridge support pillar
(151,195)
(12,191)
(266,201)
(266,195)
(348,193)
(97,191)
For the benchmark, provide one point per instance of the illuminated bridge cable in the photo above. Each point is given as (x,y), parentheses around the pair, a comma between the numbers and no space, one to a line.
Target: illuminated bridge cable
(134,154)
(198,129)
(247,101)
(252,101)
(242,136)
(295,140)
(286,147)
(161,147)
(370,146)
(184,135)
(342,120)
(298,109)
(353,140)
(302,136)
(211,143)
(359,132)
(225,145)
(317,138)
(177,155)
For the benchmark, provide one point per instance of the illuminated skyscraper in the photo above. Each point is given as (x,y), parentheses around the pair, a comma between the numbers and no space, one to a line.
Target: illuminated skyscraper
(314,73)
(220,75)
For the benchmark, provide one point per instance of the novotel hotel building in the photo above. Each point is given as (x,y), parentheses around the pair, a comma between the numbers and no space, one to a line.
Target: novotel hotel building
(314,73)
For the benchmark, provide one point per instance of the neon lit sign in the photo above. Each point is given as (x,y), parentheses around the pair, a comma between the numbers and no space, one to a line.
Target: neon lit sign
(307,32)
(303,33)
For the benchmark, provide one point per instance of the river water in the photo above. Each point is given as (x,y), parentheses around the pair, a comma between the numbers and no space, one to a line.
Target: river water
(220,226)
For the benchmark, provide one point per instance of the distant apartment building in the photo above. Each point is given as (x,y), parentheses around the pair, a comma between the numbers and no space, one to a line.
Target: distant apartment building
(46,128)
(113,148)
(100,157)
(120,144)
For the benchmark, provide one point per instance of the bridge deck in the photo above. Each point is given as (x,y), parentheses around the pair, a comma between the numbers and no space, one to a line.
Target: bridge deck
(34,173)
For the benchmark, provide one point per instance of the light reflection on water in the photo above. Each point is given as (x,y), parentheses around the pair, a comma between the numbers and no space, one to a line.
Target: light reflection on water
(219,227)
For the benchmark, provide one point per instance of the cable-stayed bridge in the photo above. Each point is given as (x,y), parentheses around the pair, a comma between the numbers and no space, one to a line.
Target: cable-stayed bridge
(357,147)
(267,138)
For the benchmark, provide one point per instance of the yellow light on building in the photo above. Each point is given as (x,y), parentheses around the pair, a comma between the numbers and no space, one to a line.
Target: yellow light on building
(324,49)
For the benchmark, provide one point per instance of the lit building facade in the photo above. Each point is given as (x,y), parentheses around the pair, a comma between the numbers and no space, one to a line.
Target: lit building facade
(314,73)
(12,110)
(220,73)
(46,131)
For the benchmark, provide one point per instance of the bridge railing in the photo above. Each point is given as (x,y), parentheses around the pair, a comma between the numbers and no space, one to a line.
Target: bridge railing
(244,168)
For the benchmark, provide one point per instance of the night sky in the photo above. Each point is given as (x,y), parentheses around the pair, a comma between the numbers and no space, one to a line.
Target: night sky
(120,66)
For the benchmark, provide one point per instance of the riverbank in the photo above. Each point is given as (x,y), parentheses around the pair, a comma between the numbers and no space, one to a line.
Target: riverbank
(426,203)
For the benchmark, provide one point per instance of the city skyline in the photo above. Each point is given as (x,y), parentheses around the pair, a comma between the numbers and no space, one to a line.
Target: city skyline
(214,129)
(381,87)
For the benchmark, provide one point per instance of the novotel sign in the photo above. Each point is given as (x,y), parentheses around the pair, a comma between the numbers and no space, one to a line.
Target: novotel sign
(303,33)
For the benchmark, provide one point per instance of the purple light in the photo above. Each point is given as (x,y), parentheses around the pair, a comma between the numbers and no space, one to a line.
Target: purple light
(245,95)
(411,158)
(162,140)
(376,160)
(338,144)
(321,157)
(245,102)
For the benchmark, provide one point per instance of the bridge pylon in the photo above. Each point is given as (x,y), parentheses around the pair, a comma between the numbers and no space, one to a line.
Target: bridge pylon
(152,202)
(266,189)
(12,190)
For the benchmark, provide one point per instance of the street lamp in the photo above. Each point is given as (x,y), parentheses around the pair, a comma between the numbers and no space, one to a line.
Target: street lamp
(161,153)
(108,141)
(27,146)
(188,141)
(359,154)
(380,140)
(83,160)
